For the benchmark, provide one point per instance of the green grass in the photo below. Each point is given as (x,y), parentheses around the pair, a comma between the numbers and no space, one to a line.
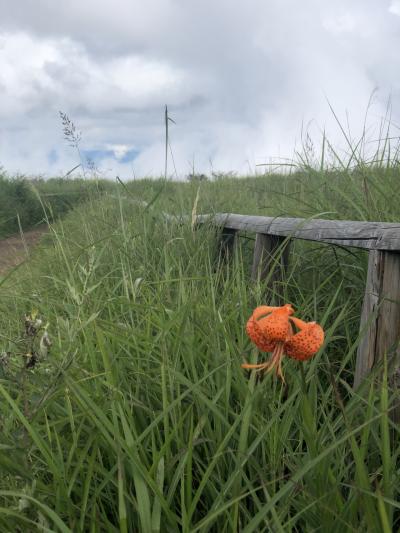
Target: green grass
(141,419)
(360,194)
(22,200)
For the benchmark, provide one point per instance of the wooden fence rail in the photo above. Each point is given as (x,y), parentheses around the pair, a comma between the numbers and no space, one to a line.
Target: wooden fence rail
(380,317)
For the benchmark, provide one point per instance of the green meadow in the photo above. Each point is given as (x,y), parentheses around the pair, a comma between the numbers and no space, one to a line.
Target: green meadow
(138,417)
(25,203)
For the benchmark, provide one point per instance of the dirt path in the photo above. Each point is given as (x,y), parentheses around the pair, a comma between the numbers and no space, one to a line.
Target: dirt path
(15,249)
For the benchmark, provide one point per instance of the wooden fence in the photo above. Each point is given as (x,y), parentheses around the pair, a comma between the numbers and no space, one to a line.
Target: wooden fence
(380,317)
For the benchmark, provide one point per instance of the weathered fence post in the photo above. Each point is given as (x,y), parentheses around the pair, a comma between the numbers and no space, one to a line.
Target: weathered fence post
(380,317)
(270,260)
(226,244)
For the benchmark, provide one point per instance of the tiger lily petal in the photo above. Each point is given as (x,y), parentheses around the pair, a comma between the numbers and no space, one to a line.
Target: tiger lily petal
(271,330)
(306,343)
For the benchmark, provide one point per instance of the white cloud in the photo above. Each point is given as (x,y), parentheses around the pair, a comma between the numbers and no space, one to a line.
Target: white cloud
(395,7)
(61,71)
(340,24)
(120,150)
(239,78)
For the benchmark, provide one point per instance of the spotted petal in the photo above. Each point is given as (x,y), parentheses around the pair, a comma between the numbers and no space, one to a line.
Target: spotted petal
(256,335)
(306,343)
(276,326)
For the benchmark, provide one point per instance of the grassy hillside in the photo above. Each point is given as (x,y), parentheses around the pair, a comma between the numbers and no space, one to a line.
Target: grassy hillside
(362,194)
(140,418)
(22,201)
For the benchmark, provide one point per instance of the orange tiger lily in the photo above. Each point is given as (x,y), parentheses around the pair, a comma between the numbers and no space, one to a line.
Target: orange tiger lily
(272,330)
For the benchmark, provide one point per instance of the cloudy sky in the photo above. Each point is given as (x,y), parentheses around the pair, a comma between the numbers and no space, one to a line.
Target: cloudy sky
(244,80)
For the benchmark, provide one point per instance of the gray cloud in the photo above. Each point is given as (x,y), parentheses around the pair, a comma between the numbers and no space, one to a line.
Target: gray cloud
(240,78)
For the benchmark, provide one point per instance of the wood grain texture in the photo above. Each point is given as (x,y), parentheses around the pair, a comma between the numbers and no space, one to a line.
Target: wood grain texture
(388,334)
(367,235)
(369,317)
(380,317)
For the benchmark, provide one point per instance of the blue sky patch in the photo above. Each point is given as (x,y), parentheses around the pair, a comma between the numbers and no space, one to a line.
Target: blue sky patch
(52,156)
(99,155)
